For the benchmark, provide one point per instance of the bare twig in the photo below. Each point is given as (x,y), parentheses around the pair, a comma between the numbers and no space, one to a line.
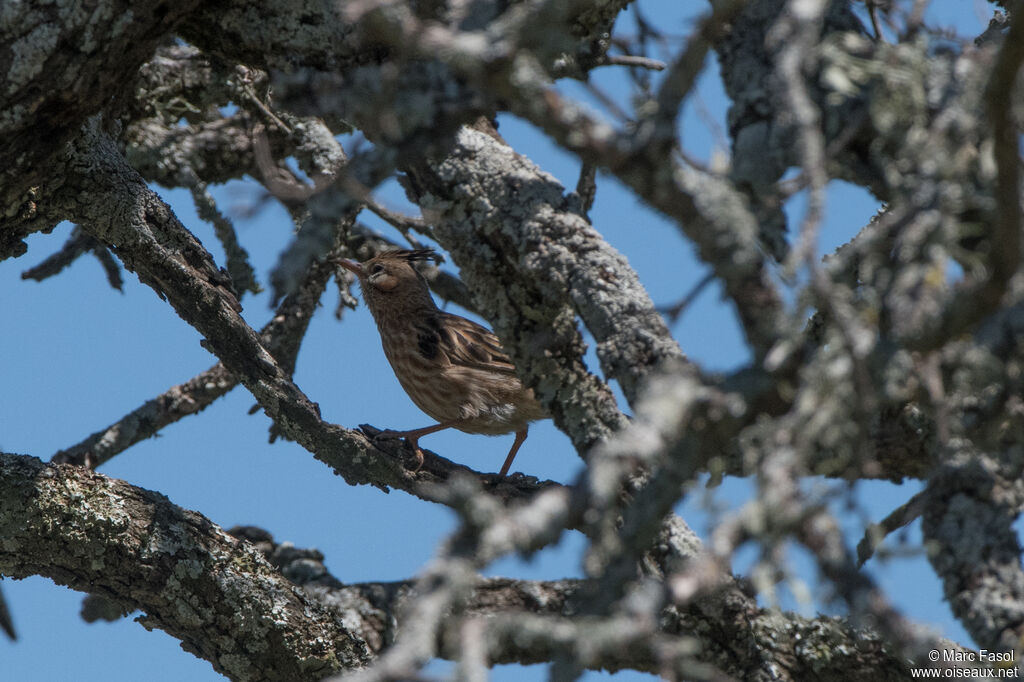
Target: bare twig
(242,276)
(247,79)
(278,180)
(404,224)
(78,243)
(873,13)
(676,309)
(900,517)
(282,336)
(635,61)
(797,33)
(682,75)
(586,187)
(6,624)
(999,95)
(607,101)
(979,298)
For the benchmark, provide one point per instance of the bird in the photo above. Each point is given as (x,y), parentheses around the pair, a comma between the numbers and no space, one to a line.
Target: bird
(453,369)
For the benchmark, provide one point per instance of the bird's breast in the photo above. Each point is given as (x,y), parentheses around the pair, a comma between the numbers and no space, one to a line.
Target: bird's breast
(487,402)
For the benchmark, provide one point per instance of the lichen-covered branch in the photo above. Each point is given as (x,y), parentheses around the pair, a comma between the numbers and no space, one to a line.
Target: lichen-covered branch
(151,241)
(209,589)
(282,336)
(55,55)
(137,548)
(898,356)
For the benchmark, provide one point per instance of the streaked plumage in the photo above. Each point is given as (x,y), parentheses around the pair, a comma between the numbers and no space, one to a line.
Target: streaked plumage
(452,368)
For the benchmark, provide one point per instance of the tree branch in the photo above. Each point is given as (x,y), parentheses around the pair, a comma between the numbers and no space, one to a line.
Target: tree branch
(282,336)
(78,243)
(135,547)
(214,592)
(126,215)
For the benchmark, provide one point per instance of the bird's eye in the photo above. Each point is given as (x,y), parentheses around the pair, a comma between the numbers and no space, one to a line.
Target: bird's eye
(376,269)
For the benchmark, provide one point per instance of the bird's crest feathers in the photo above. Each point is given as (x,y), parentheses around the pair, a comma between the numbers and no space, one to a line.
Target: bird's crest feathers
(412,255)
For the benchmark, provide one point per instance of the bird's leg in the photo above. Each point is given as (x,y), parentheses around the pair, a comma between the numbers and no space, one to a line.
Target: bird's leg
(412,437)
(520,437)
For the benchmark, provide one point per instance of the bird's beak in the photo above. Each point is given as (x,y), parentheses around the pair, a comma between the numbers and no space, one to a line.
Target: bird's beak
(351,266)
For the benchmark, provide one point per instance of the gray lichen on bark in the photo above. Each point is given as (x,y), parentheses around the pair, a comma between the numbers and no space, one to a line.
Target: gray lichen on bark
(904,369)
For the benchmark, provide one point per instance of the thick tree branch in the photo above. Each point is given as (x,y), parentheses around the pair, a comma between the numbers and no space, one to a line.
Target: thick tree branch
(282,336)
(136,548)
(977,299)
(929,128)
(126,215)
(974,496)
(716,219)
(975,549)
(710,213)
(706,209)
(54,55)
(556,256)
(143,552)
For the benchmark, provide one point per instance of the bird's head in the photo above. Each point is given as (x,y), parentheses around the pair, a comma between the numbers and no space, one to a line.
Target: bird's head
(391,278)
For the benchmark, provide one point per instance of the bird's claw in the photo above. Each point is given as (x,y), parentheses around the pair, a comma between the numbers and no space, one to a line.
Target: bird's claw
(375,434)
(372,432)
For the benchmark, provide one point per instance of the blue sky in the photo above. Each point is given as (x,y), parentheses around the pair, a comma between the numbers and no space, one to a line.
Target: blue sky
(78,355)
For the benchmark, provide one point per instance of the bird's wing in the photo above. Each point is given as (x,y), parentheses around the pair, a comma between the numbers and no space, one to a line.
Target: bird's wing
(467,344)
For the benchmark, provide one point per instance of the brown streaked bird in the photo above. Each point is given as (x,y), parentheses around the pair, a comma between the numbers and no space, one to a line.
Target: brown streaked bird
(452,368)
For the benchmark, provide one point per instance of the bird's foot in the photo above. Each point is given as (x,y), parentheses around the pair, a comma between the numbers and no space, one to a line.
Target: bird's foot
(371,431)
(418,454)
(375,434)
(391,434)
